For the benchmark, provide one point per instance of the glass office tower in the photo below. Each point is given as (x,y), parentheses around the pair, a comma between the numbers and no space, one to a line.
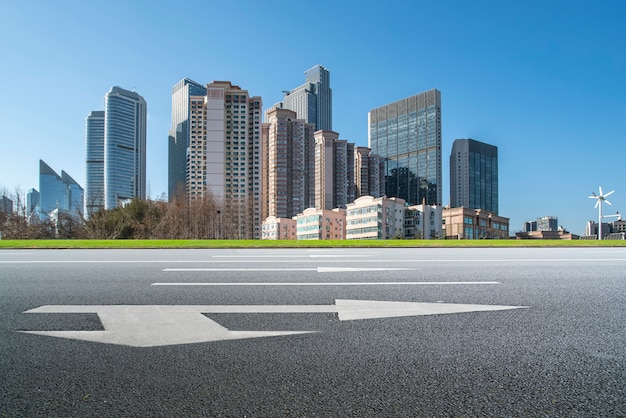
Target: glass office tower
(94,150)
(124,147)
(179,137)
(313,101)
(406,135)
(58,192)
(474,175)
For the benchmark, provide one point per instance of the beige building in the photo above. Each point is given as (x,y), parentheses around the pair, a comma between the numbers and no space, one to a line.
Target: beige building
(465,223)
(279,228)
(334,171)
(375,218)
(367,173)
(423,222)
(321,224)
(288,148)
(224,156)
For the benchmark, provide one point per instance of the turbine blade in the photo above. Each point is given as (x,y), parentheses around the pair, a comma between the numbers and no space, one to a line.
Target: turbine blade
(607,202)
(600,190)
(592,197)
(597,203)
(609,193)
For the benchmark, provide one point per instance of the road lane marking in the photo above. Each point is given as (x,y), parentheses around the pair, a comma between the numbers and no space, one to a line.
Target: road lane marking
(310,260)
(159,325)
(318,269)
(319,283)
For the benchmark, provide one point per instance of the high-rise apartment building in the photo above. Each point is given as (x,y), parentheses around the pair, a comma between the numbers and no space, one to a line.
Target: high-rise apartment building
(179,139)
(224,156)
(474,175)
(407,135)
(56,192)
(334,171)
(94,151)
(125,117)
(289,176)
(312,101)
(367,173)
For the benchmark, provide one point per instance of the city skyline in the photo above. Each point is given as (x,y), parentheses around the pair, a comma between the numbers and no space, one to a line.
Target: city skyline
(545,88)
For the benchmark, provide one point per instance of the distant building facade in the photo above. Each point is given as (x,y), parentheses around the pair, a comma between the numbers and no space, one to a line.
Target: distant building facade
(125,122)
(179,138)
(466,223)
(289,161)
(58,193)
(279,228)
(545,223)
(224,156)
(334,171)
(321,224)
(368,169)
(615,230)
(406,135)
(474,175)
(375,218)
(423,222)
(94,164)
(6,205)
(312,101)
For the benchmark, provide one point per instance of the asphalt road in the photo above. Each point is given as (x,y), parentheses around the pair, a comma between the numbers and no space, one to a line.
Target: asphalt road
(280,335)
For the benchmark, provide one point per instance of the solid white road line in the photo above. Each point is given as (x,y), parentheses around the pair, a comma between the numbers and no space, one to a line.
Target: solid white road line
(318,283)
(318,269)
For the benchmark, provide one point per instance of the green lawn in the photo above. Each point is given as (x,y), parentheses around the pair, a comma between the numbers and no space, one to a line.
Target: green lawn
(64,244)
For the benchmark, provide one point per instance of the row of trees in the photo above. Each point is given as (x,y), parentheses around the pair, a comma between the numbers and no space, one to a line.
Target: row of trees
(140,219)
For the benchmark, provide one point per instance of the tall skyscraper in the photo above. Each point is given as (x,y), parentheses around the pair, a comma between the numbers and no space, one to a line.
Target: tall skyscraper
(32,203)
(223,157)
(58,192)
(125,119)
(179,139)
(289,177)
(334,171)
(94,150)
(407,135)
(367,173)
(313,101)
(474,175)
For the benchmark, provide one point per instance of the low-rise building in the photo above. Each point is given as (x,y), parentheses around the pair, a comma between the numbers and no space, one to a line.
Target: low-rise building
(274,228)
(466,223)
(422,222)
(321,224)
(542,234)
(375,218)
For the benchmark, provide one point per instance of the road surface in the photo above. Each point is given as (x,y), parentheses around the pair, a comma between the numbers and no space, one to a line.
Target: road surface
(313,332)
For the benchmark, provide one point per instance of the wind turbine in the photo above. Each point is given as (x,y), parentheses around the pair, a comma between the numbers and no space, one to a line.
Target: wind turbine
(600,199)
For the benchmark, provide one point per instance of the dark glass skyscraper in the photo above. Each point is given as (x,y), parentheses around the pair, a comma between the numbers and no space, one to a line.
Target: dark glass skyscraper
(179,138)
(58,192)
(125,119)
(313,101)
(406,135)
(94,150)
(474,175)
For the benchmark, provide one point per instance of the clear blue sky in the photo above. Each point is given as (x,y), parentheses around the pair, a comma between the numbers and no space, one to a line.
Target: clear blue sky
(544,81)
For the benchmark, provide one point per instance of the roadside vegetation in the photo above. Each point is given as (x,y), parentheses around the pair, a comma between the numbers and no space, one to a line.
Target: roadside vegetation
(201,223)
(183,243)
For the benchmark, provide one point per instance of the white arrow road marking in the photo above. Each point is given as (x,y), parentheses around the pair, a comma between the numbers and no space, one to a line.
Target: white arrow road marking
(157,325)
